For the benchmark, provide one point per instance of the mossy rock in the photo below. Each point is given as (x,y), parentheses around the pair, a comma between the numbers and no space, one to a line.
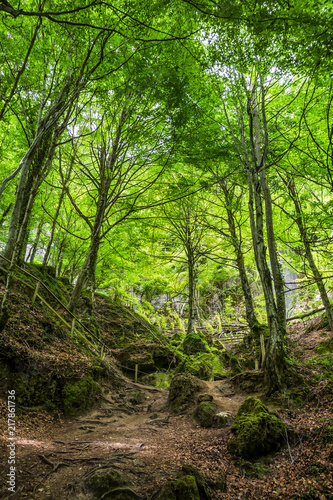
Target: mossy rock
(205,397)
(33,389)
(234,365)
(167,492)
(204,365)
(186,487)
(190,470)
(149,357)
(195,343)
(190,485)
(204,413)
(222,419)
(258,431)
(177,338)
(79,395)
(249,381)
(109,484)
(182,393)
(102,481)
(158,379)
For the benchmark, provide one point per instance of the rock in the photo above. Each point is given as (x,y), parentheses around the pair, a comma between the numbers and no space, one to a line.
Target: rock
(190,470)
(186,487)
(194,343)
(183,389)
(157,379)
(222,419)
(190,485)
(109,484)
(205,365)
(258,431)
(205,397)
(102,481)
(149,357)
(249,381)
(204,413)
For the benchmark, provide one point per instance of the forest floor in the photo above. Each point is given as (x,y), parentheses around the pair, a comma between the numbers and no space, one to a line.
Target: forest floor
(150,445)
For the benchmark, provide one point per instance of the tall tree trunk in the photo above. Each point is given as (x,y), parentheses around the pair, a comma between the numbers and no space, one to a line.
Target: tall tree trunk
(274,364)
(54,223)
(38,233)
(249,307)
(309,256)
(191,292)
(273,255)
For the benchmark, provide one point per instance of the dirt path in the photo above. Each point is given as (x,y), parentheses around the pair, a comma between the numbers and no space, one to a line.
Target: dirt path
(143,440)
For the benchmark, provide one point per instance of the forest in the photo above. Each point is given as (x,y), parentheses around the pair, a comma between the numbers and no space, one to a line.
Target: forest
(166,224)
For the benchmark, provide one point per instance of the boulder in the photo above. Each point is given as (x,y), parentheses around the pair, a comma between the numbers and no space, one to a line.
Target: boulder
(190,485)
(109,484)
(182,393)
(257,431)
(222,419)
(204,413)
(194,343)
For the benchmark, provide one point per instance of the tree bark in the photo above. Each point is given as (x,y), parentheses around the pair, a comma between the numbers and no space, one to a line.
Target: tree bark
(309,256)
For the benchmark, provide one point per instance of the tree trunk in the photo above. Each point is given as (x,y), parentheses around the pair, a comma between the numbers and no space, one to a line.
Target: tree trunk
(35,245)
(191,291)
(274,260)
(309,256)
(54,222)
(249,307)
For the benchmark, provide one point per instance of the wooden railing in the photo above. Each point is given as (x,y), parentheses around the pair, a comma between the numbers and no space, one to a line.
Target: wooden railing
(74,319)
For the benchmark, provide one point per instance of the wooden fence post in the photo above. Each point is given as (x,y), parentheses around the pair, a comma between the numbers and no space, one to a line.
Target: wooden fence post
(263,351)
(35,292)
(136,373)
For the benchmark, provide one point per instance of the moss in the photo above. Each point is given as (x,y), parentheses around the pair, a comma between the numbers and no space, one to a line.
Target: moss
(186,488)
(195,343)
(102,481)
(325,347)
(78,396)
(253,470)
(204,413)
(258,431)
(183,389)
(158,379)
(205,366)
(234,365)
(190,470)
(190,485)
(177,338)
(149,357)
(34,390)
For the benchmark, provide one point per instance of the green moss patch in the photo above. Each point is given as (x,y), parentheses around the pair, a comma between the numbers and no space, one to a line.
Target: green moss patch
(182,393)
(158,379)
(79,395)
(195,343)
(207,366)
(204,413)
(258,431)
(190,485)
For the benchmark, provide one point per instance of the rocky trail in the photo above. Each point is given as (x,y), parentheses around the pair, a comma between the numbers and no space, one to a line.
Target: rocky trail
(141,439)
